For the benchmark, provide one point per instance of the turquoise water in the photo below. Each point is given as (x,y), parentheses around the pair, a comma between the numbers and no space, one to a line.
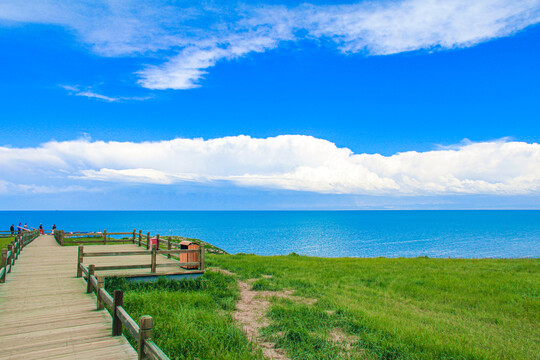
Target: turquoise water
(463,234)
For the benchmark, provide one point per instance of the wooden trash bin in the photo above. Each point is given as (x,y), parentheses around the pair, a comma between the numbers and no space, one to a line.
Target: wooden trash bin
(190,257)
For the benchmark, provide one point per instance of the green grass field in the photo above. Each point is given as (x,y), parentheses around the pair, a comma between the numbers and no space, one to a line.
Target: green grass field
(4,241)
(192,319)
(381,308)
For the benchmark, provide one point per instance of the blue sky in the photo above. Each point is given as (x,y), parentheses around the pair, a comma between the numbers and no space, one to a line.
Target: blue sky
(103,103)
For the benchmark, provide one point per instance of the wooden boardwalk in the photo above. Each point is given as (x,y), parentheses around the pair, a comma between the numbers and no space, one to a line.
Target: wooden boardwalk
(45,312)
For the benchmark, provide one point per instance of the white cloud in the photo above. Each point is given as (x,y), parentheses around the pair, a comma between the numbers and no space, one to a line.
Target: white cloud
(188,40)
(292,162)
(10,188)
(393,27)
(89,93)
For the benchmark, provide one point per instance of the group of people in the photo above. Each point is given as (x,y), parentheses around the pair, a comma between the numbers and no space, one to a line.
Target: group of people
(20,228)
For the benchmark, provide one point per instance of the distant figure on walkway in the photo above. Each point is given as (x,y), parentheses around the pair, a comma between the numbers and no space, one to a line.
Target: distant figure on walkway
(26,227)
(12,229)
(19,228)
(53,228)
(40,229)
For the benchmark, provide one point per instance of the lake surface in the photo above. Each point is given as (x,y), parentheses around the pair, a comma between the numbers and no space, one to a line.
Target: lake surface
(460,234)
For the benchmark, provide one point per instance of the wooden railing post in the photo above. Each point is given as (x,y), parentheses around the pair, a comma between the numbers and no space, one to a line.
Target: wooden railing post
(154,249)
(117,323)
(201,255)
(3,264)
(148,241)
(100,285)
(140,237)
(169,246)
(80,260)
(17,246)
(134,232)
(14,254)
(10,257)
(157,241)
(62,234)
(146,323)
(104,237)
(91,270)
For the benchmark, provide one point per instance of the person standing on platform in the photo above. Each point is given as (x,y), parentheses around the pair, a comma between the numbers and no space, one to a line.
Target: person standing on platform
(53,228)
(12,229)
(40,229)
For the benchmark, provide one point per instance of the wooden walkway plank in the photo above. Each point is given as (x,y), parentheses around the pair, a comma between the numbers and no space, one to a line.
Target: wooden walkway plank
(45,312)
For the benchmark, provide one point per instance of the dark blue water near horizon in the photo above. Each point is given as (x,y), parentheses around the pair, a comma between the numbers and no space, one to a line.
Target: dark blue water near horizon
(433,233)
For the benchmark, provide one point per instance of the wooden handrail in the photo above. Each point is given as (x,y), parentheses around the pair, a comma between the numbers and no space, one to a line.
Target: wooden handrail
(128,322)
(116,253)
(153,258)
(129,253)
(120,316)
(123,267)
(74,234)
(153,351)
(106,297)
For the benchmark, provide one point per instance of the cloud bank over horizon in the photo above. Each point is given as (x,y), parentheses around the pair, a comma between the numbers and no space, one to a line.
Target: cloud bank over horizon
(178,43)
(290,162)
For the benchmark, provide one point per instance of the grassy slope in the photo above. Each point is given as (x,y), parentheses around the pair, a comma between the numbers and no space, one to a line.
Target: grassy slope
(401,308)
(388,308)
(192,319)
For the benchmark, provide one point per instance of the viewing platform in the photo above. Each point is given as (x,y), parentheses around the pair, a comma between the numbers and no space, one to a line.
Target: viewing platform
(53,299)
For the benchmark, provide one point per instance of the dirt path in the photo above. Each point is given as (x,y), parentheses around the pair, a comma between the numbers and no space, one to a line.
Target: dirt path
(250,313)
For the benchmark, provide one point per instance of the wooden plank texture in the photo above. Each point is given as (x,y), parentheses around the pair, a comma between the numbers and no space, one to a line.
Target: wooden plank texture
(45,312)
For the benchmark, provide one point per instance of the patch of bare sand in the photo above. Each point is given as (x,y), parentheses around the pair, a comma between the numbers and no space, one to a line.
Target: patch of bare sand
(251,313)
(343,341)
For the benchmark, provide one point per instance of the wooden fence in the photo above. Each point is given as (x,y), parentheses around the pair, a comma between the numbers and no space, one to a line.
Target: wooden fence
(61,236)
(141,331)
(137,237)
(153,265)
(11,254)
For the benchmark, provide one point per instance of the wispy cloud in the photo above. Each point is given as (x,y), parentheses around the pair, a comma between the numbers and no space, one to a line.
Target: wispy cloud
(190,39)
(75,90)
(293,162)
(10,188)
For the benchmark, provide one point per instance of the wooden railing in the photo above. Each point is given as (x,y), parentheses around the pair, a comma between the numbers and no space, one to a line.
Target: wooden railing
(7,233)
(135,237)
(13,251)
(199,264)
(141,331)
(61,235)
